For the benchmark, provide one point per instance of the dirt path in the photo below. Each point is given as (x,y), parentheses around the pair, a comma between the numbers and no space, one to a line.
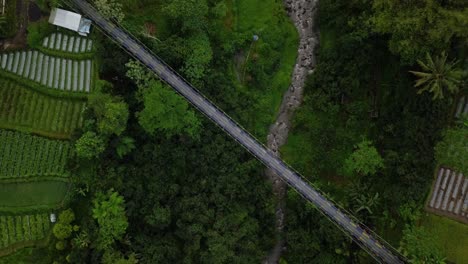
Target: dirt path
(302,12)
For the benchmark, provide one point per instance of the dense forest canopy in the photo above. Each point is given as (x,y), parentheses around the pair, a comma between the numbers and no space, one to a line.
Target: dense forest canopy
(154,181)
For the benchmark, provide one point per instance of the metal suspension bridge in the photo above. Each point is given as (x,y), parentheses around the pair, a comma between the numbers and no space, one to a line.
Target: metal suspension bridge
(363,236)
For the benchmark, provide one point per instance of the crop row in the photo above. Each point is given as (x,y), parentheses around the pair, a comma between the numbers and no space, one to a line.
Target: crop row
(24,155)
(31,111)
(57,73)
(19,228)
(66,43)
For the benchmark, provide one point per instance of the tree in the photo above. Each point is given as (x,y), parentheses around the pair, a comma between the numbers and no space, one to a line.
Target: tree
(418,27)
(63,228)
(82,240)
(89,145)
(198,57)
(365,160)
(159,217)
(109,211)
(111,113)
(67,216)
(138,73)
(165,111)
(60,245)
(439,76)
(110,9)
(192,14)
(115,257)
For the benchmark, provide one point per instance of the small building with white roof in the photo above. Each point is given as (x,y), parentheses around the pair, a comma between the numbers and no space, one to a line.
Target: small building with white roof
(70,20)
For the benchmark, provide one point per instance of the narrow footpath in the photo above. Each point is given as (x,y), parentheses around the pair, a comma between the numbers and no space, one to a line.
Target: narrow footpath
(303,13)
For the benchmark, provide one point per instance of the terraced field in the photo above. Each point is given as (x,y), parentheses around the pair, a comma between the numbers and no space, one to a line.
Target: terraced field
(42,98)
(29,111)
(58,73)
(21,228)
(67,43)
(450,195)
(24,156)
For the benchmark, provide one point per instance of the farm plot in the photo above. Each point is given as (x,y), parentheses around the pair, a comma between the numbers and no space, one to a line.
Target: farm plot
(24,156)
(27,196)
(67,43)
(53,72)
(22,228)
(450,195)
(30,111)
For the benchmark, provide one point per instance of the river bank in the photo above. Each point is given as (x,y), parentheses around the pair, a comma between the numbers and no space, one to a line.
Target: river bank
(302,13)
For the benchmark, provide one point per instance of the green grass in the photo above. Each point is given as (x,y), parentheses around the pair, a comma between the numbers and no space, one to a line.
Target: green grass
(17,197)
(269,20)
(270,102)
(255,15)
(66,55)
(451,236)
(24,156)
(28,111)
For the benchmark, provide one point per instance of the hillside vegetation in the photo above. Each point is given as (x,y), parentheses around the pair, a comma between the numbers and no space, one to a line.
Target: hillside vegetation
(154,181)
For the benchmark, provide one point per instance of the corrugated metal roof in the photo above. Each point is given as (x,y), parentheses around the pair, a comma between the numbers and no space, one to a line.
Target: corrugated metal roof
(64,18)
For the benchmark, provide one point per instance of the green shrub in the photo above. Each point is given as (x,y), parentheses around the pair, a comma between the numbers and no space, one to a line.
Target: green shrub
(67,216)
(90,145)
(60,245)
(37,32)
(365,160)
(62,230)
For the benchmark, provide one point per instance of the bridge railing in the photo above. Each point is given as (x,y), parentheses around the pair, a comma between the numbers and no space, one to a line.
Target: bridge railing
(325,195)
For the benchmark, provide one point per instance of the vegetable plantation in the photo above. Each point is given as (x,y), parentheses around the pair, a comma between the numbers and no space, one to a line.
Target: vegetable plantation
(66,43)
(20,228)
(30,111)
(53,72)
(24,156)
(34,119)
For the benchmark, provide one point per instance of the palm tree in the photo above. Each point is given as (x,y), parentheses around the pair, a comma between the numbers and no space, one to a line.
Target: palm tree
(438,76)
